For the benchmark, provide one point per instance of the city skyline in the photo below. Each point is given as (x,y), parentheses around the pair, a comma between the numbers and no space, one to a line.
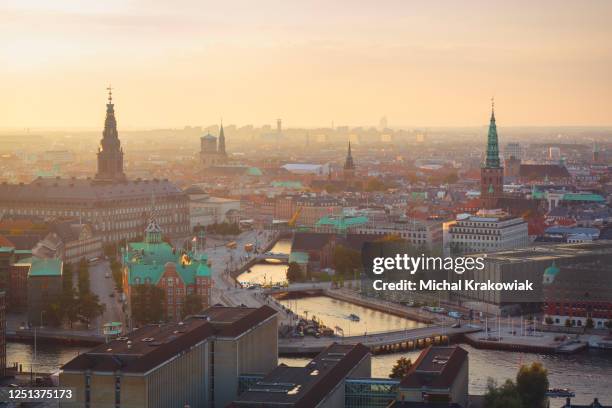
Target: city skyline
(426,65)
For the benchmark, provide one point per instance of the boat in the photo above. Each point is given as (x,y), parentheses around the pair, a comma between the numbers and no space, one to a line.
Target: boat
(353,317)
(560,393)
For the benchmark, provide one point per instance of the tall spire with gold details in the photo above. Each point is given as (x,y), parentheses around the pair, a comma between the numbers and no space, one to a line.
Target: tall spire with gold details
(110,152)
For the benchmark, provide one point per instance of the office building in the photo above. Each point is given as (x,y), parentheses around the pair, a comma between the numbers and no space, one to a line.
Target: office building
(196,362)
(321,383)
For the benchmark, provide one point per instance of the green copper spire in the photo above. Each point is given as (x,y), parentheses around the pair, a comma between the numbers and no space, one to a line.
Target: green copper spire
(492,143)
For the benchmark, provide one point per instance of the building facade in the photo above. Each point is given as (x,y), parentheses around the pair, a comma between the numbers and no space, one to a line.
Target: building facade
(211,152)
(195,362)
(178,273)
(487,231)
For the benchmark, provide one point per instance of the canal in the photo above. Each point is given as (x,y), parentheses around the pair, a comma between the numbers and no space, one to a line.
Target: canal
(587,373)
(268,273)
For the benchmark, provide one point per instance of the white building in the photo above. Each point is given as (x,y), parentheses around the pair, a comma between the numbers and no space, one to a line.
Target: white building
(206,210)
(307,168)
(487,231)
(427,234)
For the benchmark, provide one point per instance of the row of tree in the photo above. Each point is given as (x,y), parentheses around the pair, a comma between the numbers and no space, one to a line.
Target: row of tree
(74,304)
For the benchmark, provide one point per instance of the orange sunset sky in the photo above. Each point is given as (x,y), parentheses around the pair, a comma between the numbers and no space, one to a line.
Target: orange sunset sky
(310,62)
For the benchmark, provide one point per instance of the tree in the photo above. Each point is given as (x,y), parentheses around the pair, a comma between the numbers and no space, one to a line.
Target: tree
(83,277)
(346,261)
(568,323)
(90,306)
(147,304)
(548,320)
(192,305)
(294,272)
(589,323)
(505,396)
(532,385)
(401,368)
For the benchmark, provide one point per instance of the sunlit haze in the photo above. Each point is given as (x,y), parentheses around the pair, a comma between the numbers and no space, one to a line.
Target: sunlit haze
(311,63)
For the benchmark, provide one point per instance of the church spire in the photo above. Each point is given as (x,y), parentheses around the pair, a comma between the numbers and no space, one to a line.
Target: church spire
(110,153)
(221,140)
(349,164)
(492,160)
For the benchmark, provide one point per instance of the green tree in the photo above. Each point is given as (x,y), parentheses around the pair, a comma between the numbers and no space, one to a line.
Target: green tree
(532,385)
(147,304)
(294,273)
(505,396)
(568,323)
(548,320)
(346,261)
(401,368)
(192,305)
(83,277)
(589,323)
(90,306)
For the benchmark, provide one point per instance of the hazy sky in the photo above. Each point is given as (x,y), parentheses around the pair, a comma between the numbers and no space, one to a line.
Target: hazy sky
(310,62)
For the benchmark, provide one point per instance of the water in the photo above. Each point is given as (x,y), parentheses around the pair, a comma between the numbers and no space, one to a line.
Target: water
(269,273)
(587,373)
(49,357)
(332,313)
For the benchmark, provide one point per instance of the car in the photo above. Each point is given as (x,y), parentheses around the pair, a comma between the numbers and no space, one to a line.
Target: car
(455,326)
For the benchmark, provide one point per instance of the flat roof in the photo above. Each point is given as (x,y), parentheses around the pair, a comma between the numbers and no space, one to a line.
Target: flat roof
(436,367)
(304,386)
(152,345)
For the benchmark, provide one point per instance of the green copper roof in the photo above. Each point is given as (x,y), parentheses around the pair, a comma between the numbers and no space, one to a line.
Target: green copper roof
(342,222)
(552,270)
(46,267)
(583,197)
(296,185)
(299,257)
(492,145)
(254,171)
(146,262)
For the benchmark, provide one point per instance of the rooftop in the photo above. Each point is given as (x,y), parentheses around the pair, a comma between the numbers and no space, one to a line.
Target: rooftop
(436,367)
(152,345)
(304,386)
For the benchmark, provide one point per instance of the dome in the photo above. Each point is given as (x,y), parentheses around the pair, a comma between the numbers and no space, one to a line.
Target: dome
(208,136)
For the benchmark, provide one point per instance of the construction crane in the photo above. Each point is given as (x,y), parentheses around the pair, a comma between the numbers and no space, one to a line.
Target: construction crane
(295,217)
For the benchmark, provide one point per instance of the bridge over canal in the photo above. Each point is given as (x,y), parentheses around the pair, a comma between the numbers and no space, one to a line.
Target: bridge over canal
(377,342)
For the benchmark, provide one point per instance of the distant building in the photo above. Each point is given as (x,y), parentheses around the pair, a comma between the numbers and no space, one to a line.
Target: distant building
(211,152)
(44,287)
(116,207)
(513,149)
(2,333)
(70,241)
(178,273)
(307,168)
(195,363)
(439,377)
(525,264)
(575,293)
(321,383)
(205,210)
(418,233)
(348,171)
(487,231)
(491,173)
